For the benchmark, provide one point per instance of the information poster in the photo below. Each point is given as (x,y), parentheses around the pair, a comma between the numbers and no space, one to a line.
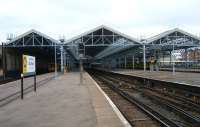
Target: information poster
(28,65)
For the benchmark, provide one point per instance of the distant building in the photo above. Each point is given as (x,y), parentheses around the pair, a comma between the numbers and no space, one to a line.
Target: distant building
(194,55)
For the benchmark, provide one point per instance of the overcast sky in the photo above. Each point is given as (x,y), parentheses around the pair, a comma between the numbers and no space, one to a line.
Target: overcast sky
(71,17)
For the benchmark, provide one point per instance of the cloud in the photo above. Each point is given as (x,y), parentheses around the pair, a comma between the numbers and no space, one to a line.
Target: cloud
(72,17)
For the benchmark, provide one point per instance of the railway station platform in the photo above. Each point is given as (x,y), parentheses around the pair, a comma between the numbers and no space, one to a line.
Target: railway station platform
(63,102)
(186,78)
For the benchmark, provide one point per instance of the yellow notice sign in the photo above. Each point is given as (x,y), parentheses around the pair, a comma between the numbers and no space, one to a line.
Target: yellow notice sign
(28,64)
(25,61)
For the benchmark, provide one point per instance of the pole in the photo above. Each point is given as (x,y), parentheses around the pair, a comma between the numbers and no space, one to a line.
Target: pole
(173,56)
(170,61)
(163,56)
(125,62)
(55,62)
(35,82)
(81,72)
(144,57)
(133,64)
(68,62)
(3,61)
(5,56)
(186,58)
(61,58)
(65,61)
(22,87)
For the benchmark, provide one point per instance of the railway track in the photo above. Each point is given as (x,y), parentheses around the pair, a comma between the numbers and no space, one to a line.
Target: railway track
(8,99)
(181,118)
(152,114)
(135,116)
(186,104)
(179,100)
(194,120)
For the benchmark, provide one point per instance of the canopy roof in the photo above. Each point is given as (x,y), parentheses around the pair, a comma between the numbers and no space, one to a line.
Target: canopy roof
(32,38)
(95,41)
(174,32)
(104,41)
(101,30)
(177,37)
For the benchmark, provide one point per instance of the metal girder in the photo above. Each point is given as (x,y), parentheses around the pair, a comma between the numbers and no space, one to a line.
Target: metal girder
(114,42)
(32,38)
(101,37)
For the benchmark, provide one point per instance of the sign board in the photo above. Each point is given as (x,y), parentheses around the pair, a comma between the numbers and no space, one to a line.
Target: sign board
(28,65)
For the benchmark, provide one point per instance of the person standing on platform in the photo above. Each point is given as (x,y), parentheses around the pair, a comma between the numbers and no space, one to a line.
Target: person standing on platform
(151,64)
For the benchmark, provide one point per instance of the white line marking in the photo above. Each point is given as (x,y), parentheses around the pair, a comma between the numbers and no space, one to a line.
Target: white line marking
(114,107)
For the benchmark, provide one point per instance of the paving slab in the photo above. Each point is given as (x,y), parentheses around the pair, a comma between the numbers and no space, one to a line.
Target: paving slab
(105,109)
(62,102)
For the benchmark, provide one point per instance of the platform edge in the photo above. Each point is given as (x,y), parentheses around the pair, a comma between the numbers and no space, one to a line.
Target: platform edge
(114,107)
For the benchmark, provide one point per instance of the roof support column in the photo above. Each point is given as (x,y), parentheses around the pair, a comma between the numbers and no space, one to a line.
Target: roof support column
(3,60)
(186,57)
(61,58)
(133,62)
(173,56)
(55,60)
(144,57)
(64,53)
(163,59)
(125,62)
(81,68)
(170,60)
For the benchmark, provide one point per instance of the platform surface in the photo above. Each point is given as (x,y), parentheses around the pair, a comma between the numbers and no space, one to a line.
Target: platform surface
(186,78)
(62,102)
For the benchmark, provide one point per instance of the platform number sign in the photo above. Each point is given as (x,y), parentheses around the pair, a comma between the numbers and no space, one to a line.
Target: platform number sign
(28,65)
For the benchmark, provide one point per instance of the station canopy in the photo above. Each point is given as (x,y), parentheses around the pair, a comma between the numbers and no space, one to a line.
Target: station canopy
(104,41)
(99,42)
(32,38)
(35,43)
(176,37)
